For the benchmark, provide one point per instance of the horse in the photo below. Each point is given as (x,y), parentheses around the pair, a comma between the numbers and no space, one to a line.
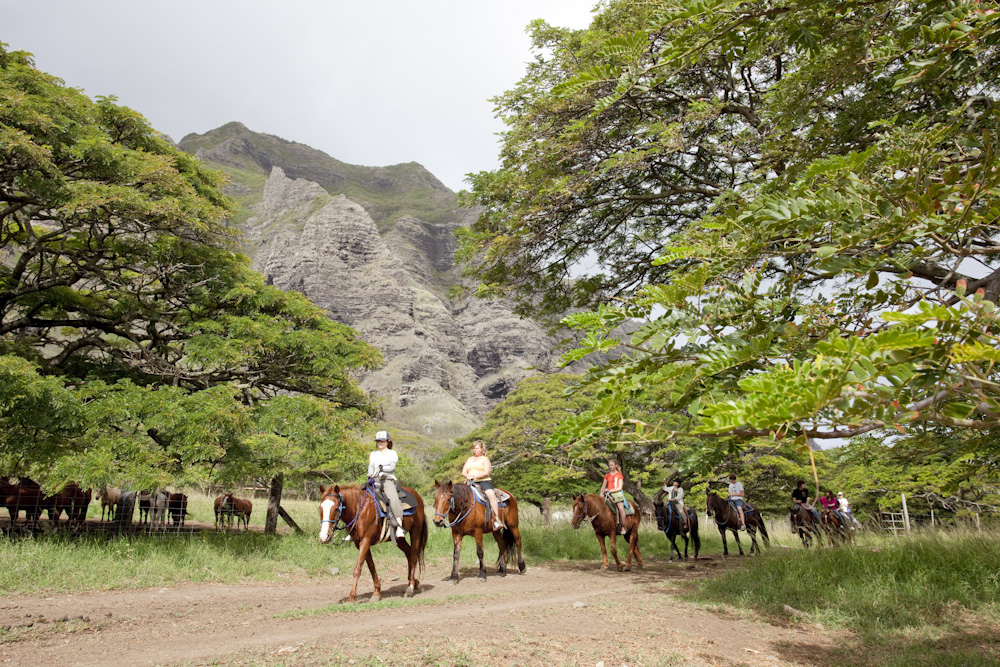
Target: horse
(145,499)
(591,507)
(467,516)
(109,497)
(835,528)
(728,517)
(670,523)
(158,502)
(805,524)
(238,507)
(177,507)
(356,507)
(74,501)
(24,496)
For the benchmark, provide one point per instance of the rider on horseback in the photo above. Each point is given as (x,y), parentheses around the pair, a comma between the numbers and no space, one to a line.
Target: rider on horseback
(676,500)
(613,484)
(801,497)
(830,502)
(382,468)
(736,496)
(477,469)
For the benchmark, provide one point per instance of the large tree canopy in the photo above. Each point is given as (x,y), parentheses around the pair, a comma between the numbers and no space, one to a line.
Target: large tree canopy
(799,199)
(136,343)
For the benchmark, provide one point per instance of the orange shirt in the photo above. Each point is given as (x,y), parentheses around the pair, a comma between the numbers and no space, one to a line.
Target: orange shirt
(615,481)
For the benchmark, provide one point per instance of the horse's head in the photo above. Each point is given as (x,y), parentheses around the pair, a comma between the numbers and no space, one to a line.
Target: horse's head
(227,502)
(711,498)
(331,506)
(444,500)
(661,516)
(579,510)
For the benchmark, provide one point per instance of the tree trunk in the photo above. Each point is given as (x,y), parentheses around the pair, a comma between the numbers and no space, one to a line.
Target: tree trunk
(546,511)
(273,502)
(288,519)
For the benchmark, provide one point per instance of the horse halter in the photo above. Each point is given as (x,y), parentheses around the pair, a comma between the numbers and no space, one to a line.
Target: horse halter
(335,520)
(451,508)
(586,518)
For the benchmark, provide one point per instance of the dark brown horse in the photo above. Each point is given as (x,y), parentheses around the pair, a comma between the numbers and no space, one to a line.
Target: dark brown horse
(835,529)
(805,525)
(355,507)
(591,507)
(74,501)
(466,516)
(727,517)
(25,496)
(669,521)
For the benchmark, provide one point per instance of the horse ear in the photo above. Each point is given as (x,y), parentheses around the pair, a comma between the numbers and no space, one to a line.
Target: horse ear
(449,485)
(336,488)
(322,490)
(437,485)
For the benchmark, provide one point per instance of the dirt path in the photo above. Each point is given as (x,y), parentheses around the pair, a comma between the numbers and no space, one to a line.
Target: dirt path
(552,615)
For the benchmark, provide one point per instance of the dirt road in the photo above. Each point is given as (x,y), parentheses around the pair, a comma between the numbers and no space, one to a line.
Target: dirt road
(552,615)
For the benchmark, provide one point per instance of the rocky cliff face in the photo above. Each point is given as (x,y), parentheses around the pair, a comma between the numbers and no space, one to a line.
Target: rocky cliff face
(374,246)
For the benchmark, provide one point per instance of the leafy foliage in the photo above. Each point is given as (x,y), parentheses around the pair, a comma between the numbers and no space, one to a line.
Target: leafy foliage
(136,346)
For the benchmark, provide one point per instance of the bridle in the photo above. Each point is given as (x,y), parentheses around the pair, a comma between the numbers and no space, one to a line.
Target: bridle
(715,512)
(340,512)
(452,509)
(586,518)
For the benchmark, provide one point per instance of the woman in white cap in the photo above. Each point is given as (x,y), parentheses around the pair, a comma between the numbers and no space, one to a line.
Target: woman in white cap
(382,466)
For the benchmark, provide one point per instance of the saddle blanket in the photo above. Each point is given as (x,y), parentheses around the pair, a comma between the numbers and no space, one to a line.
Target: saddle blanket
(629,509)
(502,496)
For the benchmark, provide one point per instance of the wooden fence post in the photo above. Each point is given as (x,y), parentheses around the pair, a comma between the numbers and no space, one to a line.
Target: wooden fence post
(978,528)
(906,513)
(932,517)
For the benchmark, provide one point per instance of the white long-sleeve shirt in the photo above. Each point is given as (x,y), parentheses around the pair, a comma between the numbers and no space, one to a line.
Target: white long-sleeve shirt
(386,458)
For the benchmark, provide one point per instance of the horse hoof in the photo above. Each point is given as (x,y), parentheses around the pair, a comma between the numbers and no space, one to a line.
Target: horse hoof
(375,598)
(409,592)
(452,582)
(522,567)
(628,569)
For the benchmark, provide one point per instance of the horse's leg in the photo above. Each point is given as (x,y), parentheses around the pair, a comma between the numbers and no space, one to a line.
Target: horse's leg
(456,537)
(725,546)
(604,552)
(516,532)
(364,547)
(376,583)
(673,546)
(614,549)
(685,536)
(739,545)
(479,552)
(502,560)
(410,551)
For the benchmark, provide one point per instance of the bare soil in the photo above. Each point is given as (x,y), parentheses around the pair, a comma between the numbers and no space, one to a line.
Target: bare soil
(554,614)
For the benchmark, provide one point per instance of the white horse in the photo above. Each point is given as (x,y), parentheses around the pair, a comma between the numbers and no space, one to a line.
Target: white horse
(158,508)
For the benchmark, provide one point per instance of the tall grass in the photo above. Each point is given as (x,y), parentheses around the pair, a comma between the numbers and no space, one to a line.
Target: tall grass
(881,586)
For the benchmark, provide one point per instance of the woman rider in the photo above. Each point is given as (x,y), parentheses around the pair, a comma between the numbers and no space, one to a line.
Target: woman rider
(382,465)
(613,483)
(477,469)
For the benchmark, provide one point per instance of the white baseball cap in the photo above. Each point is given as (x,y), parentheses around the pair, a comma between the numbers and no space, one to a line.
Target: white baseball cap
(382,435)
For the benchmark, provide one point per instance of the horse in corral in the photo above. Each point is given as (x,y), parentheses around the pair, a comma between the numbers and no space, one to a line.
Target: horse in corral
(459,508)
(158,502)
(217,505)
(669,521)
(366,524)
(177,508)
(805,525)
(237,507)
(110,497)
(727,517)
(24,496)
(591,507)
(74,501)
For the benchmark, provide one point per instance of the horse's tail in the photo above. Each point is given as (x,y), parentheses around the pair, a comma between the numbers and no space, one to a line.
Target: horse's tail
(509,547)
(422,544)
(763,530)
(693,523)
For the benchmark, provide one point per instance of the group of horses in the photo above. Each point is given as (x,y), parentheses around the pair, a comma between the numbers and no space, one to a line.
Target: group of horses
(155,507)
(806,526)
(360,512)
(26,496)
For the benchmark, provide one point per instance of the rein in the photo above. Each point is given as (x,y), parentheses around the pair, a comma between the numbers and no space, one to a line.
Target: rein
(340,511)
(715,513)
(587,518)
(451,508)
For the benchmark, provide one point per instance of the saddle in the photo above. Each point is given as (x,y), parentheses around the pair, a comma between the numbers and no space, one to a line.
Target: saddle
(480,496)
(629,509)
(406,499)
(748,509)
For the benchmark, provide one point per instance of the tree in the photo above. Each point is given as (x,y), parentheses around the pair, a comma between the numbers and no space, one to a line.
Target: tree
(844,279)
(136,345)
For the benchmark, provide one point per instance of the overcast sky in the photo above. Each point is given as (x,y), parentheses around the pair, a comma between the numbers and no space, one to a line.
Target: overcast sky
(372,83)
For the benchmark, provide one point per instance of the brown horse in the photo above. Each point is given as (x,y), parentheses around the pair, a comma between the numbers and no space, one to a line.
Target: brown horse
(466,516)
(355,507)
(237,507)
(25,496)
(74,501)
(835,529)
(591,507)
(805,525)
(727,517)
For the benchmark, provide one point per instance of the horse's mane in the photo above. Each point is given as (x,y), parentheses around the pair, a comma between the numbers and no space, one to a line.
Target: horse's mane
(462,494)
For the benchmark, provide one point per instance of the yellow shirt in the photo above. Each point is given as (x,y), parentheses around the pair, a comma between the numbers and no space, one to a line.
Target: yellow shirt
(476,467)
